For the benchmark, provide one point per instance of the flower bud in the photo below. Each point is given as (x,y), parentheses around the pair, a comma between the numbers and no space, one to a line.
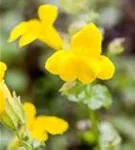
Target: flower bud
(13,114)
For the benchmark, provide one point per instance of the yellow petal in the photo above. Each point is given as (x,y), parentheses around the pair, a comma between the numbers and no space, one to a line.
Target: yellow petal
(33,26)
(62,63)
(17,31)
(86,69)
(53,62)
(30,111)
(51,124)
(68,71)
(87,42)
(2,101)
(70,67)
(51,37)
(29,30)
(27,39)
(4,94)
(3,68)
(48,14)
(38,134)
(106,68)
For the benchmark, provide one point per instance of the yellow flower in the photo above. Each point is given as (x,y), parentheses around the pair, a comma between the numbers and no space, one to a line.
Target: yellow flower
(41,29)
(83,60)
(4,92)
(40,126)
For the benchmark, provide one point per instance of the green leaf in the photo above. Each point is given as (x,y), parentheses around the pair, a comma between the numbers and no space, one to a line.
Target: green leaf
(94,96)
(74,91)
(100,97)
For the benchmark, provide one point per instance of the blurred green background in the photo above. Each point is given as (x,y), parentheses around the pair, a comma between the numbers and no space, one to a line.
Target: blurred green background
(26,74)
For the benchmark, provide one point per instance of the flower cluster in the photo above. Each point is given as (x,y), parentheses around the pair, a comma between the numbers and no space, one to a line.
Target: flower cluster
(13,114)
(34,129)
(83,60)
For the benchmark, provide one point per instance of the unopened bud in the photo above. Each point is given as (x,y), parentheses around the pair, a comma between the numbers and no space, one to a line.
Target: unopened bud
(13,114)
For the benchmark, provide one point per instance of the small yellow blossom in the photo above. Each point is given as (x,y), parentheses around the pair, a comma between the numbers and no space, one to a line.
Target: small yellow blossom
(41,29)
(83,60)
(40,126)
(4,92)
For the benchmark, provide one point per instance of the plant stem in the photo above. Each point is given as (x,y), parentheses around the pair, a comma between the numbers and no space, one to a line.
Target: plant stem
(27,146)
(94,124)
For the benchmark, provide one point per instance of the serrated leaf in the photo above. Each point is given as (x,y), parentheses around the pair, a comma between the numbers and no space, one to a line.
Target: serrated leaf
(94,96)
(100,97)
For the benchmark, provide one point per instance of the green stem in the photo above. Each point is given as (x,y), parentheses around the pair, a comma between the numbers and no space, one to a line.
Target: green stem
(94,124)
(27,146)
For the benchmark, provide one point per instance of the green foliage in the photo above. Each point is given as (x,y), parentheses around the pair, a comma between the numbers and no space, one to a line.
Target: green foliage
(94,96)
(99,96)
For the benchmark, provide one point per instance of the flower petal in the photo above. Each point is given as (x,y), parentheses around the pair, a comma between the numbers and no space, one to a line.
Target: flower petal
(87,42)
(39,134)
(53,62)
(2,101)
(3,68)
(87,70)
(27,39)
(30,111)
(33,26)
(29,30)
(51,37)
(51,124)
(4,94)
(17,31)
(106,68)
(47,13)
(62,63)
(67,67)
